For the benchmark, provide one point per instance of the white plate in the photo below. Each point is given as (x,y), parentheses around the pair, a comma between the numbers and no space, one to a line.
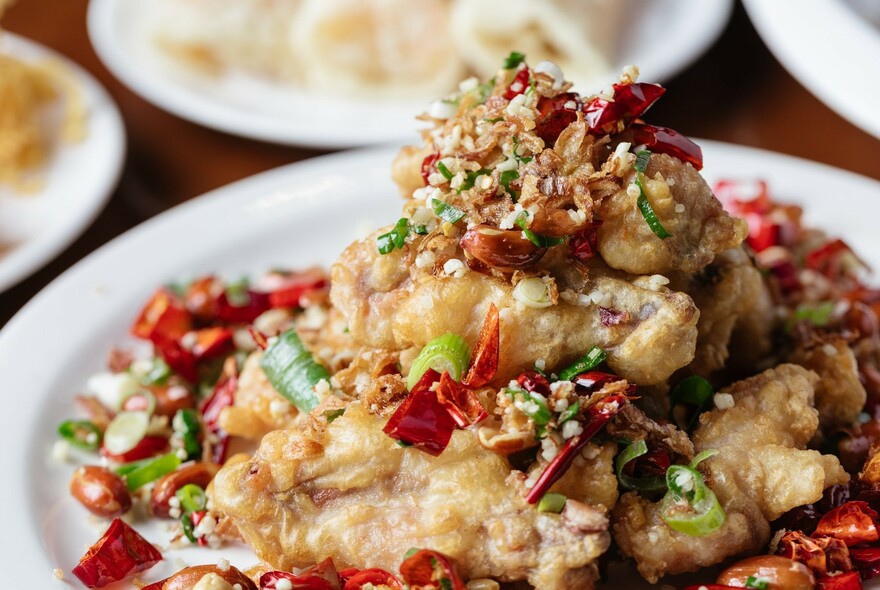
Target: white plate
(663,37)
(78,179)
(294,216)
(830,48)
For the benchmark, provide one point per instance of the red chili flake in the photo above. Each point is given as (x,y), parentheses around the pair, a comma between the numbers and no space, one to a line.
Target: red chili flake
(222,396)
(429,166)
(612,317)
(664,140)
(484,365)
(555,114)
(593,381)
(374,576)
(584,244)
(630,101)
(534,382)
(421,420)
(182,361)
(149,446)
(597,416)
(798,547)
(462,403)
(849,581)
(853,523)
(322,576)
(242,314)
(518,85)
(201,297)
(866,560)
(120,553)
(430,569)
(162,317)
(287,289)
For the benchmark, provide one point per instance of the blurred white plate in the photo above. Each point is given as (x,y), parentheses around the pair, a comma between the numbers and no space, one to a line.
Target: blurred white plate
(663,37)
(78,178)
(831,48)
(293,216)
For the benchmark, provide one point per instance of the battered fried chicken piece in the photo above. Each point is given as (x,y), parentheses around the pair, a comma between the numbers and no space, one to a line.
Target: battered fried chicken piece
(390,303)
(699,232)
(840,395)
(733,300)
(761,442)
(309,493)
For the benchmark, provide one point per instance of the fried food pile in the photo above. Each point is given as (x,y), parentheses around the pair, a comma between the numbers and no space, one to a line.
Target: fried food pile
(564,340)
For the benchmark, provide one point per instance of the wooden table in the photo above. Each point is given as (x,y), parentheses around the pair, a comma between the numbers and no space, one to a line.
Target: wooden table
(736,93)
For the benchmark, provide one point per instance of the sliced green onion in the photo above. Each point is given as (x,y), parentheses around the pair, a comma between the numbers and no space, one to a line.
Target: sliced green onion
(516,156)
(332,415)
(552,502)
(125,431)
(533,292)
(513,60)
(646,484)
(446,211)
(81,434)
(154,371)
(292,371)
(396,238)
(758,583)
(186,424)
(648,212)
(442,169)
(149,400)
(192,498)
(694,391)
(689,506)
(448,352)
(539,241)
(505,179)
(188,527)
(569,413)
(642,159)
(140,473)
(237,292)
(594,357)
(818,314)
(533,406)
(471,178)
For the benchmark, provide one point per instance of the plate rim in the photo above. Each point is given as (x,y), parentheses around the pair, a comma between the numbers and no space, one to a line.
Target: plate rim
(798,50)
(35,253)
(712,15)
(20,329)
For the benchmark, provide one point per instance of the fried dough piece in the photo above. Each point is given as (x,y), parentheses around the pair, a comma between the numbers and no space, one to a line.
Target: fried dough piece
(733,299)
(388,307)
(840,395)
(309,493)
(699,232)
(760,443)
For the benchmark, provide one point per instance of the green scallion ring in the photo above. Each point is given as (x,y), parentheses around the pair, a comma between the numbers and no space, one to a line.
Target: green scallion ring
(594,357)
(192,498)
(552,502)
(81,434)
(448,352)
(631,453)
(143,472)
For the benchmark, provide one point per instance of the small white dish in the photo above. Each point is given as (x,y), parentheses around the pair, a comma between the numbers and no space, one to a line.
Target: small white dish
(831,48)
(663,37)
(77,180)
(295,216)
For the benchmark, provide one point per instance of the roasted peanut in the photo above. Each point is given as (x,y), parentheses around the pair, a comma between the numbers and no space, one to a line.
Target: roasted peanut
(506,250)
(170,398)
(780,573)
(199,474)
(187,578)
(100,490)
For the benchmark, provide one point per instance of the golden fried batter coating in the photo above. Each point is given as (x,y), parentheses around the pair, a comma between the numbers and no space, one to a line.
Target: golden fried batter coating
(389,307)
(760,442)
(309,493)
(699,231)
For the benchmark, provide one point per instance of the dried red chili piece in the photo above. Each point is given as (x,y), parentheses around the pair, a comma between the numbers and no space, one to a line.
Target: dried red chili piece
(370,578)
(429,167)
(837,554)
(597,416)
(462,403)
(612,317)
(201,296)
(484,364)
(584,244)
(667,141)
(210,343)
(742,197)
(149,446)
(848,581)
(120,553)
(853,523)
(164,316)
(181,360)
(534,382)
(430,569)
(866,560)
(593,381)
(630,101)
(286,290)
(555,114)
(322,576)
(257,304)
(421,420)
(798,547)
(518,85)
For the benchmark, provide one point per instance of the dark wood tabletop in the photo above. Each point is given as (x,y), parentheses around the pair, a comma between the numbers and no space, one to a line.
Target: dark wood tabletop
(737,92)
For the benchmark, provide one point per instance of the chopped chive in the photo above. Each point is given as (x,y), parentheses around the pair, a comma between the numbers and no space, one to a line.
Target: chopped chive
(505,179)
(470,179)
(648,211)
(442,169)
(421,230)
(537,240)
(446,212)
(513,60)
(292,371)
(396,238)
(594,357)
(516,156)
